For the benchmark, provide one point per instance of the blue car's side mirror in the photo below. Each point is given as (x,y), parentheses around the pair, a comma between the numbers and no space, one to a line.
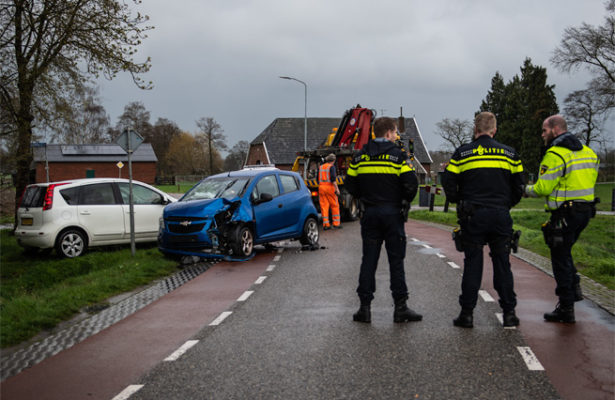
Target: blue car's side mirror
(264,197)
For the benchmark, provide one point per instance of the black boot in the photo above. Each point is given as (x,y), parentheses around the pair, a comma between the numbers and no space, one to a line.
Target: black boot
(363,315)
(403,314)
(578,293)
(465,319)
(509,318)
(561,314)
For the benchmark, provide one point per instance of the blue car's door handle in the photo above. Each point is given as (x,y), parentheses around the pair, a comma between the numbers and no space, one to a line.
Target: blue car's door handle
(280,205)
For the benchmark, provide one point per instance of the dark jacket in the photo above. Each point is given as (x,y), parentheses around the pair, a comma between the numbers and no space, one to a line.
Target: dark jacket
(380,174)
(486,173)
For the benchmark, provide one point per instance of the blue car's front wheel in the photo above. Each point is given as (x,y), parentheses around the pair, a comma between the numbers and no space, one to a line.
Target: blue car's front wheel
(243,242)
(310,232)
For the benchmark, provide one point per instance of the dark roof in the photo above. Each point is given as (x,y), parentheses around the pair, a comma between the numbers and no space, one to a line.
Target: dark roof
(93,153)
(285,136)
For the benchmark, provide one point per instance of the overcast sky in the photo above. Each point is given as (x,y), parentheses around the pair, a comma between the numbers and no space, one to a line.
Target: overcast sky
(436,58)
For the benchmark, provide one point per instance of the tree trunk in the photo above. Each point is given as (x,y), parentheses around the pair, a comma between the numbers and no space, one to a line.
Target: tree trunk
(24,138)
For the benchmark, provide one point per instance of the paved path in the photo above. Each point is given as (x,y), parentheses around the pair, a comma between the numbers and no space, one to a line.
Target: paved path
(290,335)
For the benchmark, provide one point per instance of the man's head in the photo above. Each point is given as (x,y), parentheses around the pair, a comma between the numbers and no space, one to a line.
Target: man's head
(330,158)
(553,126)
(485,124)
(385,127)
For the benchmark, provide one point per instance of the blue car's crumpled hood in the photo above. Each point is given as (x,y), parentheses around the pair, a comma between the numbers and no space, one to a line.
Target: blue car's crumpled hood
(197,208)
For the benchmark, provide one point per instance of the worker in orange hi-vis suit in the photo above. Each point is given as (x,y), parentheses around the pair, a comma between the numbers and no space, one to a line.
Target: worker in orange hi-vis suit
(327,193)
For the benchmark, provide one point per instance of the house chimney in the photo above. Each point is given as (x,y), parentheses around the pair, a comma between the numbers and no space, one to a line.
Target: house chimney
(401,121)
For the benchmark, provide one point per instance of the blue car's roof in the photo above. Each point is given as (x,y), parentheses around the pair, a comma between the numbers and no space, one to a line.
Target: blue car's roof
(249,172)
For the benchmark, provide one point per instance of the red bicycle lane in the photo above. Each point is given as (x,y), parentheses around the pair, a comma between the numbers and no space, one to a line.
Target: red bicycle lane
(104,364)
(579,359)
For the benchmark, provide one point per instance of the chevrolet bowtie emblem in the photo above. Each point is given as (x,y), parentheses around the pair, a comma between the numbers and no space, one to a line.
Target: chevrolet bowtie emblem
(185,223)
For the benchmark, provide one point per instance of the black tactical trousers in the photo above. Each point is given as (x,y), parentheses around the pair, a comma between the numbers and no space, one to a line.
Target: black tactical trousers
(494,227)
(382,224)
(564,271)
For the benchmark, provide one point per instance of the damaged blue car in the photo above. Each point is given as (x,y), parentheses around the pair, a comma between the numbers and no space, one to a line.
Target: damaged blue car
(225,215)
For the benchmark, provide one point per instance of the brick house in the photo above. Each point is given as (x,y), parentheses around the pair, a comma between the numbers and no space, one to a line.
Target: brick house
(93,161)
(280,141)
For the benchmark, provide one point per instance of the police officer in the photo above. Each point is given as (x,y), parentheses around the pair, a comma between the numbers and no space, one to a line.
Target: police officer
(484,178)
(381,177)
(567,177)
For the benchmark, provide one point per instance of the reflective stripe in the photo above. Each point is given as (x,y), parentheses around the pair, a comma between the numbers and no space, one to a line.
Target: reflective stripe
(324,175)
(371,167)
(501,162)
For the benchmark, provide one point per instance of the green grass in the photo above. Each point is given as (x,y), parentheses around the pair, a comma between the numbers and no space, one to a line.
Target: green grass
(594,252)
(602,190)
(182,187)
(37,292)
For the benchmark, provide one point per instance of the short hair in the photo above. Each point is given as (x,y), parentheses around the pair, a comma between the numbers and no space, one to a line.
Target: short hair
(384,124)
(557,121)
(485,122)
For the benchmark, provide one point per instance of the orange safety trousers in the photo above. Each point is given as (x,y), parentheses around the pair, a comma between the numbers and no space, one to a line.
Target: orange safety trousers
(328,198)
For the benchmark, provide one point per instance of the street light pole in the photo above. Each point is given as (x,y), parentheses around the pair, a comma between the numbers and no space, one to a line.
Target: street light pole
(304,119)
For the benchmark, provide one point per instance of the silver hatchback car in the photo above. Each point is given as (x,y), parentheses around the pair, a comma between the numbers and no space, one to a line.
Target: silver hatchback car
(73,215)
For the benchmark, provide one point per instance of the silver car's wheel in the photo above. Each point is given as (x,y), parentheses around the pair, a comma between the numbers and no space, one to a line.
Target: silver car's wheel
(243,244)
(310,232)
(71,243)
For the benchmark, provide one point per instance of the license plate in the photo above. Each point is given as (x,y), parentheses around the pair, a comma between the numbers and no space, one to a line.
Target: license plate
(26,221)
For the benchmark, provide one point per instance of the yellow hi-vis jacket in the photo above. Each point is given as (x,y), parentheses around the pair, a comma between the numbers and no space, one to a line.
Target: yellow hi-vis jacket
(566,175)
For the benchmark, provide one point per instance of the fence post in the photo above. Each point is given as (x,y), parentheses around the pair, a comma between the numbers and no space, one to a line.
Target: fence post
(432,198)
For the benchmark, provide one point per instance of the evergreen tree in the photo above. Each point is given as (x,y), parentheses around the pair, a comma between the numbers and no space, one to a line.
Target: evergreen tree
(520,107)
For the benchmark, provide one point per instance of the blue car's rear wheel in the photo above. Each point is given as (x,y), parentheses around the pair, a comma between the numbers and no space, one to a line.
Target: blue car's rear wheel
(310,232)
(243,242)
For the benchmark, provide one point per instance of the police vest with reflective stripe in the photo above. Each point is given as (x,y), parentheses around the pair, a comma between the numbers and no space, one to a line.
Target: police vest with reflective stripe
(567,175)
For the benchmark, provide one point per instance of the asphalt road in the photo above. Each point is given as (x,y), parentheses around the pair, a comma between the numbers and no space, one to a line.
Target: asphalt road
(280,326)
(294,338)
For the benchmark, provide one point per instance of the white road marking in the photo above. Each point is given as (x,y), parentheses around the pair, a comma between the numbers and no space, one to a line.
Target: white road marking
(500,318)
(220,318)
(415,240)
(452,264)
(179,352)
(245,295)
(277,258)
(280,250)
(441,255)
(530,359)
(129,391)
(486,296)
(426,246)
(260,280)
(270,268)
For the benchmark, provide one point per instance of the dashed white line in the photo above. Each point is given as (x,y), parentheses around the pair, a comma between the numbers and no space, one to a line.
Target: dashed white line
(530,359)
(220,318)
(415,240)
(453,265)
(129,391)
(486,296)
(245,295)
(271,267)
(179,352)
(426,246)
(277,258)
(441,255)
(260,280)
(280,250)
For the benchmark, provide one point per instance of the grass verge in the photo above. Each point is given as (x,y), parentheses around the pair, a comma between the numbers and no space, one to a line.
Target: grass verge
(37,292)
(594,252)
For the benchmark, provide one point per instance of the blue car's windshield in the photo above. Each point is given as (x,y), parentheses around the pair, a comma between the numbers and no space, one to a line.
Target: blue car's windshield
(227,187)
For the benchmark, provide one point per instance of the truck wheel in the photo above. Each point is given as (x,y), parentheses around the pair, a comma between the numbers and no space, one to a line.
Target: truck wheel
(242,244)
(352,212)
(310,232)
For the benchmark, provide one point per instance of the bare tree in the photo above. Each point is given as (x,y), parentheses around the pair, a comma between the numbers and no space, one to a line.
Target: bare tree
(591,47)
(587,111)
(49,48)
(214,138)
(135,116)
(237,156)
(455,132)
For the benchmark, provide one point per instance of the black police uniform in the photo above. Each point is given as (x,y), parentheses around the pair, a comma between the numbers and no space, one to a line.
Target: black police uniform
(381,177)
(485,179)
